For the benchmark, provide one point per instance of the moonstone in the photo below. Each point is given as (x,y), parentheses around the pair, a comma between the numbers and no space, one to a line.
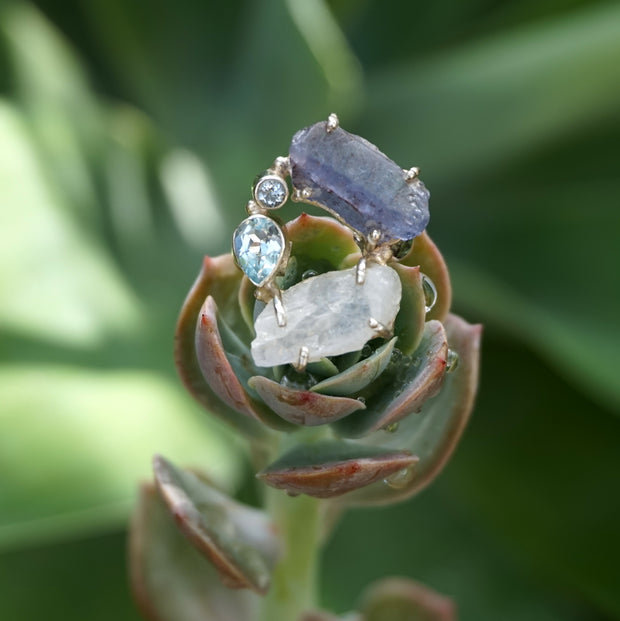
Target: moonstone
(329,314)
(351,178)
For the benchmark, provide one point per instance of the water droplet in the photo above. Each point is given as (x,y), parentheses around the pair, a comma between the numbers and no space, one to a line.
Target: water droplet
(397,356)
(401,248)
(392,427)
(430,292)
(452,361)
(402,478)
(297,381)
(309,274)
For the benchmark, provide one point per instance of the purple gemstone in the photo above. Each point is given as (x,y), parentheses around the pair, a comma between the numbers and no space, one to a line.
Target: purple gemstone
(360,185)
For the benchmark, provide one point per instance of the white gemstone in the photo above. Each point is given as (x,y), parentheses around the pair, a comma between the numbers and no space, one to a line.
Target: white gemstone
(329,314)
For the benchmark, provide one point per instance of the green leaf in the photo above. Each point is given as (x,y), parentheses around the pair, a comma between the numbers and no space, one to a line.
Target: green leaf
(359,375)
(329,468)
(56,281)
(541,478)
(432,434)
(400,599)
(169,579)
(239,540)
(302,407)
(477,104)
(76,441)
(405,388)
(515,137)
(219,280)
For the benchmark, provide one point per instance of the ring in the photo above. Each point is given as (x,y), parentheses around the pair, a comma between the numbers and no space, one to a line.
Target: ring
(384,205)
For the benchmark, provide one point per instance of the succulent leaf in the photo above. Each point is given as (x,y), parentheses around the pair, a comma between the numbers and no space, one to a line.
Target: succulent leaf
(321,615)
(320,239)
(218,370)
(330,468)
(303,407)
(360,394)
(425,254)
(169,579)
(358,376)
(219,278)
(323,368)
(238,540)
(434,433)
(412,382)
(409,323)
(246,300)
(401,599)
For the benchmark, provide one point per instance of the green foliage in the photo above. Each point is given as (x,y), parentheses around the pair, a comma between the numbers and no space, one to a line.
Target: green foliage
(130,132)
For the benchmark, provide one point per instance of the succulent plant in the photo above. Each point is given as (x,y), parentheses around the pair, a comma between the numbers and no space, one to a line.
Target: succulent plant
(368,427)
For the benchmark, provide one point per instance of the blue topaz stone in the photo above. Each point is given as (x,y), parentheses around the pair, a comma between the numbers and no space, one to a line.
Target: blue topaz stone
(258,245)
(357,183)
(271,192)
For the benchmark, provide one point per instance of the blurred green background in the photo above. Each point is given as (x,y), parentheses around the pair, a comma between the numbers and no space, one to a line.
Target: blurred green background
(129,134)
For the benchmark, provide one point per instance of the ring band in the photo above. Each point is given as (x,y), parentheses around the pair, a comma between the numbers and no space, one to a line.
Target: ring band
(384,206)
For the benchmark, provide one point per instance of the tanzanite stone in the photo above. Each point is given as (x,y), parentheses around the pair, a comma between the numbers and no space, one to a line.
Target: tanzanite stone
(359,184)
(258,244)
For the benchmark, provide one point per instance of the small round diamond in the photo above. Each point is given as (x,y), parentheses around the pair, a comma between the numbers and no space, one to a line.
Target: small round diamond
(258,244)
(271,192)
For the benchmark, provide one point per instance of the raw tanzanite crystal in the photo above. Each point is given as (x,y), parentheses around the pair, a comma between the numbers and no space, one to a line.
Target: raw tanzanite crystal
(258,245)
(271,192)
(330,314)
(360,185)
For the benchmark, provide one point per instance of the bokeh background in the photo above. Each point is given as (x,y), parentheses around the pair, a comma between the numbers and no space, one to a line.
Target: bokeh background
(129,134)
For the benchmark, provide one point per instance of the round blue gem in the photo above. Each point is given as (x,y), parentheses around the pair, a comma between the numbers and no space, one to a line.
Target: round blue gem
(258,244)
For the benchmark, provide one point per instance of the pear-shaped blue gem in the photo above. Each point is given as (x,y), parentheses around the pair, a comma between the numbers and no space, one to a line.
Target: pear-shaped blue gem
(258,244)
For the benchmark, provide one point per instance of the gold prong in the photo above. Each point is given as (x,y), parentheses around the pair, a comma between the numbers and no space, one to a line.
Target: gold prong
(379,328)
(332,123)
(374,236)
(411,174)
(360,272)
(281,166)
(383,254)
(302,361)
(254,208)
(279,307)
(301,195)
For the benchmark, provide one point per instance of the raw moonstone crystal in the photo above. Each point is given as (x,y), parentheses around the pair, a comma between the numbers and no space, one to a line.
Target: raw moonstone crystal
(328,314)
(258,244)
(360,185)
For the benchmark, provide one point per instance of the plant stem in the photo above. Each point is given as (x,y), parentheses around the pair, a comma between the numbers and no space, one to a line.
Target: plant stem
(294,582)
